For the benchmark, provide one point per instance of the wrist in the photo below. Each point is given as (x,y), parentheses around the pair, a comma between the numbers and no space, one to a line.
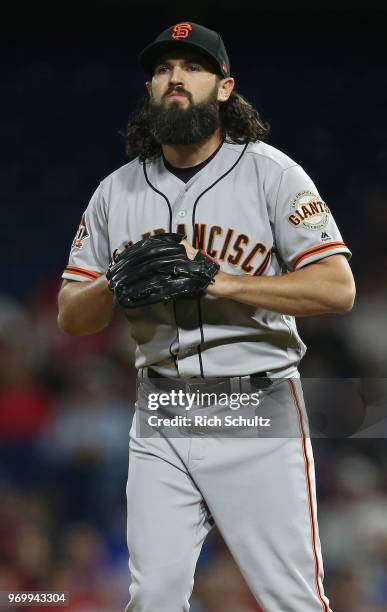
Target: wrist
(231,285)
(225,285)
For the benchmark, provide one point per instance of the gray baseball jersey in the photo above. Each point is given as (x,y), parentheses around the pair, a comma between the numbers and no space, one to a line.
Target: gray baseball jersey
(251,207)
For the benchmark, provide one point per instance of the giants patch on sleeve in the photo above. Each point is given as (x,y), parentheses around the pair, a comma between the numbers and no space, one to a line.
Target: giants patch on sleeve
(81,235)
(308,211)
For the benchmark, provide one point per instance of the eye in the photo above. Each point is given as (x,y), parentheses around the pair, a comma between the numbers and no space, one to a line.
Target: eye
(194,67)
(161,69)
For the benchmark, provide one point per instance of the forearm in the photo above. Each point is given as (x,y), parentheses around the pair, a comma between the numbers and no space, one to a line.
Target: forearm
(85,307)
(313,290)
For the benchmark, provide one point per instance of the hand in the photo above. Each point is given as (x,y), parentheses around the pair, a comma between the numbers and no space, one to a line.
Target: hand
(191,252)
(222,281)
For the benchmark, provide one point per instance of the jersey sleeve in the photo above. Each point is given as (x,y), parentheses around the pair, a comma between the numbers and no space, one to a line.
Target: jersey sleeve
(304,228)
(89,253)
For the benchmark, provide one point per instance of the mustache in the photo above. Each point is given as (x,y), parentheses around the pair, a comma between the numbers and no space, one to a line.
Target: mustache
(178,90)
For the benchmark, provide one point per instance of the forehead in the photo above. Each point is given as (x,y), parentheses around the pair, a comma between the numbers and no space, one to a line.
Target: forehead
(185,55)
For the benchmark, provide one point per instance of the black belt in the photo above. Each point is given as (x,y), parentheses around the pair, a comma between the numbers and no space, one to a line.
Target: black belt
(258,380)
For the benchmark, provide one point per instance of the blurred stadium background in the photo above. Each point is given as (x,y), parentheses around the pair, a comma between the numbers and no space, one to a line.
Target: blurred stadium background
(70,79)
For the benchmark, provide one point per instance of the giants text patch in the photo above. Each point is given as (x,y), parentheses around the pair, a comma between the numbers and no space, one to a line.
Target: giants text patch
(308,211)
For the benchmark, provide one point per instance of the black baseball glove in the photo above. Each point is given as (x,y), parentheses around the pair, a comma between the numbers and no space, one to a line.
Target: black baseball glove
(157,269)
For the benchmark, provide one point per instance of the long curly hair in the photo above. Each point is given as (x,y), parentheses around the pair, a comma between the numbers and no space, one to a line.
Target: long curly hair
(240,123)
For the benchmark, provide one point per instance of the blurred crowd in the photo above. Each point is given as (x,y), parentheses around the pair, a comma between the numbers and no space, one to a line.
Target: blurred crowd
(65,411)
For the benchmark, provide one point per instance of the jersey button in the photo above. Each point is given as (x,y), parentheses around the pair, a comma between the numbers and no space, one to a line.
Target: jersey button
(181,213)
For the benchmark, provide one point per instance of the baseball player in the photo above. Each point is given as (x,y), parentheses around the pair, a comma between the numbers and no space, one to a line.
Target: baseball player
(199,168)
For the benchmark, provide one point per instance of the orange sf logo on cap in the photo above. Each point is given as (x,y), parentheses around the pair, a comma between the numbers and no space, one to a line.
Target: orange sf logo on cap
(181,30)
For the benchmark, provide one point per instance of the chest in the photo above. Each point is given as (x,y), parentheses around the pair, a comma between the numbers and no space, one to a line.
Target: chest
(228,219)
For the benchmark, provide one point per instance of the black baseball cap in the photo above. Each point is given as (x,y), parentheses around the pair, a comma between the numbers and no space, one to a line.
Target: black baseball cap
(188,35)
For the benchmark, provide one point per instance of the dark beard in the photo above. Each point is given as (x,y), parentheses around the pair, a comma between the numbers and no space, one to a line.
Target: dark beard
(174,125)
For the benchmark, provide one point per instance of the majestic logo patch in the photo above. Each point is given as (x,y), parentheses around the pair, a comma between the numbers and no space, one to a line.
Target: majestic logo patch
(181,30)
(325,237)
(81,234)
(308,211)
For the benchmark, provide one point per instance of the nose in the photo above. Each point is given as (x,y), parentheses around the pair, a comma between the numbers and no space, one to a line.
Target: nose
(176,76)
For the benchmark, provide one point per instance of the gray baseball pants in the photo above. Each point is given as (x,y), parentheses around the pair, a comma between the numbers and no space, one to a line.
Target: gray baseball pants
(260,491)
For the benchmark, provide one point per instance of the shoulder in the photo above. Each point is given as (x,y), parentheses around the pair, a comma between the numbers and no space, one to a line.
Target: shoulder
(266,163)
(122,177)
(265,153)
(262,154)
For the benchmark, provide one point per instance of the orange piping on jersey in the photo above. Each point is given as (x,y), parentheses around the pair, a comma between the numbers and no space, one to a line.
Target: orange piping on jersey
(317,570)
(327,246)
(82,272)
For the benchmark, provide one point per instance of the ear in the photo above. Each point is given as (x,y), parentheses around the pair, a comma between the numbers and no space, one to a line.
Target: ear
(148,85)
(225,88)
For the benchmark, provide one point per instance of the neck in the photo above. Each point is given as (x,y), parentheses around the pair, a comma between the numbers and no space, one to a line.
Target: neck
(186,156)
